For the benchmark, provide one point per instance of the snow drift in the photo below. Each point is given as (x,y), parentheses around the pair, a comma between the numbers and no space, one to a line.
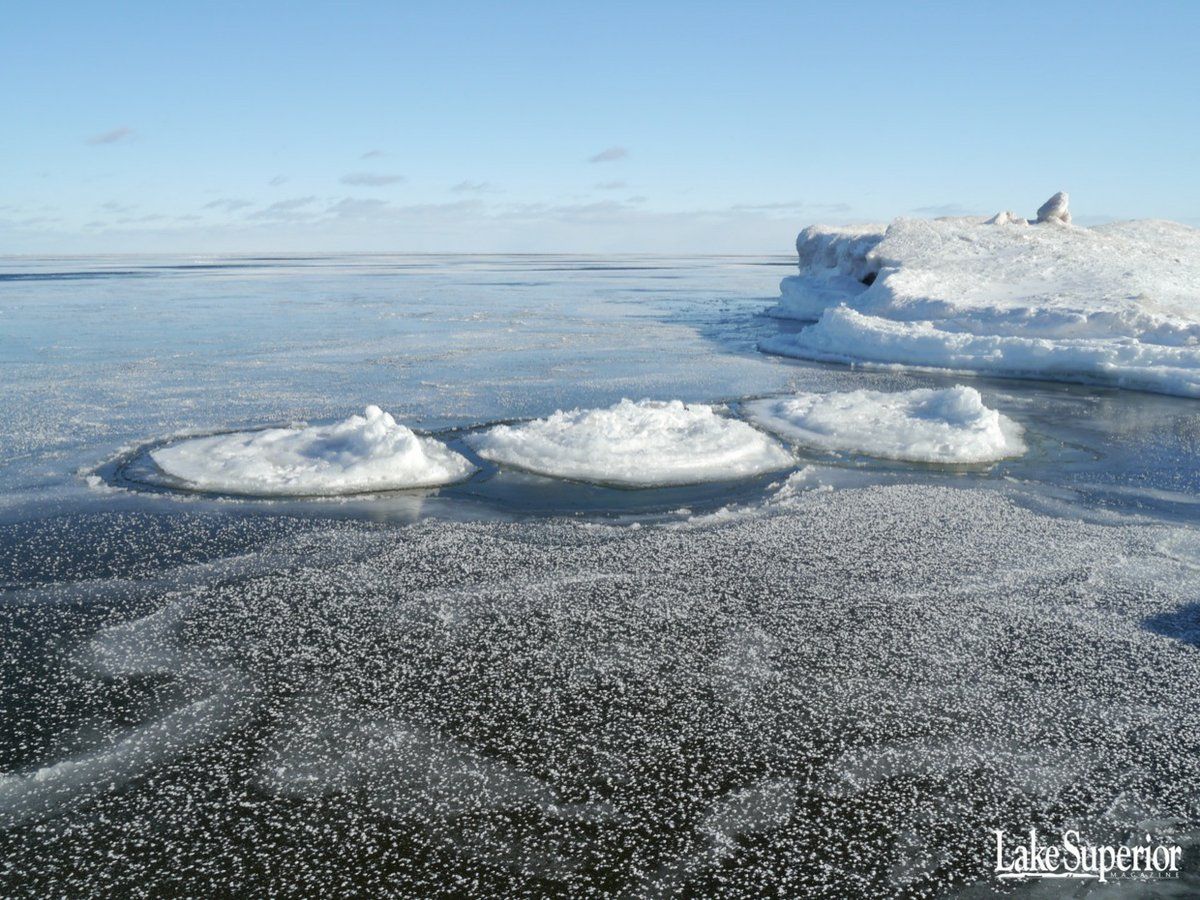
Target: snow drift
(1116,304)
(371,452)
(641,444)
(943,426)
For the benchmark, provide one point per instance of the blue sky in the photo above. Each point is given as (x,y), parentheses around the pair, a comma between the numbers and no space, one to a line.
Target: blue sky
(218,127)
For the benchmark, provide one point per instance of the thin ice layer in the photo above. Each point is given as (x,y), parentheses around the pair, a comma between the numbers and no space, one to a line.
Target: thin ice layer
(635,444)
(944,426)
(371,452)
(1115,304)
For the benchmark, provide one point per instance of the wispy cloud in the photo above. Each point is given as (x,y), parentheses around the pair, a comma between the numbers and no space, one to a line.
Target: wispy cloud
(228,204)
(367,210)
(114,206)
(471,187)
(373,154)
(111,137)
(142,220)
(466,221)
(609,155)
(357,208)
(792,206)
(371,179)
(946,209)
(285,210)
(611,185)
(781,206)
(278,180)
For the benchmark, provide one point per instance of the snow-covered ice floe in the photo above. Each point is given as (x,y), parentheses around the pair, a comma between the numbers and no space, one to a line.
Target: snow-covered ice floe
(643,444)
(371,452)
(1116,304)
(943,426)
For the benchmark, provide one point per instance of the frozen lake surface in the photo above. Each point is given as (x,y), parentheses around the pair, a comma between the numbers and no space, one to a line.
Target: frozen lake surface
(519,685)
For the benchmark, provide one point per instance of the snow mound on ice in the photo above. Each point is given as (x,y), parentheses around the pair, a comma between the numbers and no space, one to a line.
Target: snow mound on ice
(1114,304)
(371,452)
(1055,209)
(942,426)
(635,445)
(1007,217)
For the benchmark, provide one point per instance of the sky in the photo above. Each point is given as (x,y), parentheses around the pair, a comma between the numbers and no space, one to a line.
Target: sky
(655,126)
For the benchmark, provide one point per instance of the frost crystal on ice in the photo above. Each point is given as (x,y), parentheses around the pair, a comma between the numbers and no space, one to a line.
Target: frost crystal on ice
(868,677)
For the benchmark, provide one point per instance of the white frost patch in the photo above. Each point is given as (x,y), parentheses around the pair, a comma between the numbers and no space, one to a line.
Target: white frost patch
(635,445)
(944,426)
(371,452)
(1114,304)
(38,793)
(406,772)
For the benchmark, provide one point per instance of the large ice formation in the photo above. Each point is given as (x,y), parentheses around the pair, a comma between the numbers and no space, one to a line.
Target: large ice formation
(371,452)
(1113,304)
(943,426)
(635,445)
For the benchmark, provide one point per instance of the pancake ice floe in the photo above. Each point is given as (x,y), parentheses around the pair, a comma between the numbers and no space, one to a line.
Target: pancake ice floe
(642,444)
(371,452)
(939,426)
